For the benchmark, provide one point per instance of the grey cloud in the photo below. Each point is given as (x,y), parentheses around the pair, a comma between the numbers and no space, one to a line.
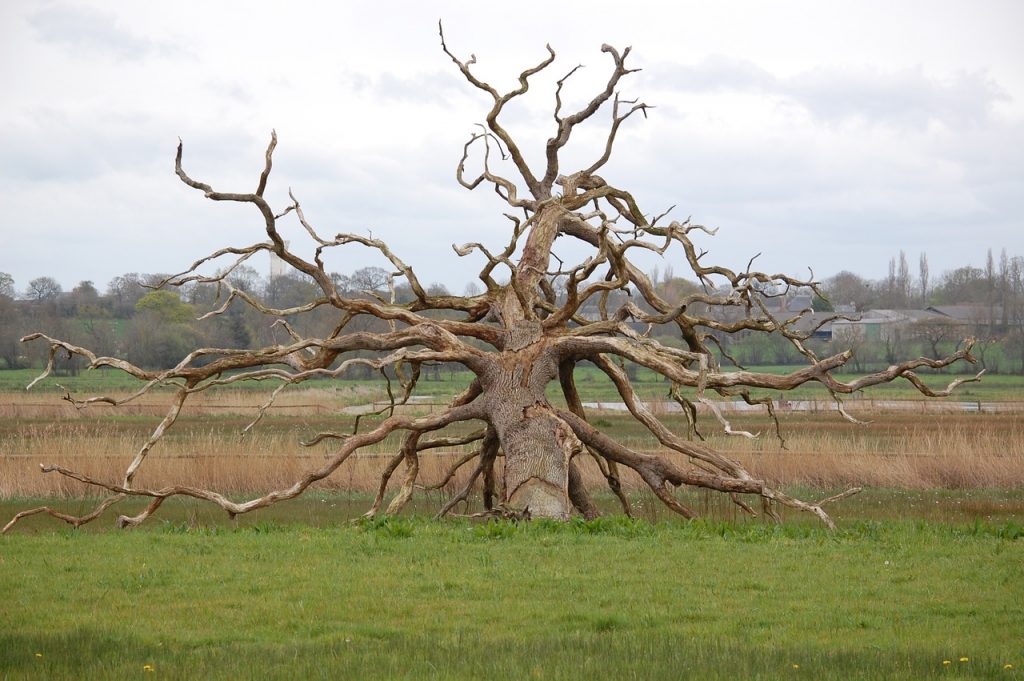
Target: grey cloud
(434,87)
(58,147)
(52,146)
(991,161)
(716,73)
(902,99)
(88,30)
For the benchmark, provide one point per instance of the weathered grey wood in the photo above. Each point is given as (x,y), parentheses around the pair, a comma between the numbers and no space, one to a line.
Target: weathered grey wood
(517,337)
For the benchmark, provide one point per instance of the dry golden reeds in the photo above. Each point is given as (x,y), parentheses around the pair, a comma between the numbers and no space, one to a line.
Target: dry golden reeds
(901,450)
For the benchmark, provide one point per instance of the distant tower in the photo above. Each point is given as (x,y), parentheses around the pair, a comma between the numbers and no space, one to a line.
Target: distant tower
(278,267)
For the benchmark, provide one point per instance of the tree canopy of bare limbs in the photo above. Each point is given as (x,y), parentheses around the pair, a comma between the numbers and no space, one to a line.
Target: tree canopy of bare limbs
(526,330)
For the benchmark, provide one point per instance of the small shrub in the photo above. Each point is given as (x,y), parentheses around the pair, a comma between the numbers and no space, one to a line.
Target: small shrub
(496,529)
(266,527)
(388,526)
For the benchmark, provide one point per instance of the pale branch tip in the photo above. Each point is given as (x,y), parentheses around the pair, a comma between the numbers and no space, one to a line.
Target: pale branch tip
(516,338)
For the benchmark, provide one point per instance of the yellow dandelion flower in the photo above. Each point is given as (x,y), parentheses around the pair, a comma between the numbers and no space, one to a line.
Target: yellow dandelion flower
(965,659)
(39,654)
(796,666)
(1007,666)
(947,662)
(148,668)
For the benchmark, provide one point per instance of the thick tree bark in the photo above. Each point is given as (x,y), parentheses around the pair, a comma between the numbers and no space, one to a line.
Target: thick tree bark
(538,445)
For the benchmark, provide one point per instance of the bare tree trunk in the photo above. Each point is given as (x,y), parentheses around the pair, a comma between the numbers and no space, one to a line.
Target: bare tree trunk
(538,445)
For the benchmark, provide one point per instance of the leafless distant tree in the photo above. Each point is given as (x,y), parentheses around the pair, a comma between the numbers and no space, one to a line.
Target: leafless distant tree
(847,288)
(516,336)
(43,288)
(903,281)
(937,331)
(922,269)
(7,285)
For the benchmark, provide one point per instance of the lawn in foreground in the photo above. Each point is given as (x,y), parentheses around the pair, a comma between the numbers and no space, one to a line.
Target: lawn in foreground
(614,598)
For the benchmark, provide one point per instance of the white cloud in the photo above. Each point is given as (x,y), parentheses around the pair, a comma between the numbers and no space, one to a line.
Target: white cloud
(903,98)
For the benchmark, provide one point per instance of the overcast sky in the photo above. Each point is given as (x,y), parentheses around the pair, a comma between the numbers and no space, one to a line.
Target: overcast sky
(823,134)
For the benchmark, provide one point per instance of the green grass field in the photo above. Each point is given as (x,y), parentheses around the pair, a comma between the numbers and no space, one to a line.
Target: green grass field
(413,599)
(593,385)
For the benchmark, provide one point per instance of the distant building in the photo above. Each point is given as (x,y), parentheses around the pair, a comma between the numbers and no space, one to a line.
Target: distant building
(885,324)
(817,324)
(972,313)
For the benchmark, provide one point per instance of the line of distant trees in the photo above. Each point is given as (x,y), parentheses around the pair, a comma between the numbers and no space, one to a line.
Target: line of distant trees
(998,285)
(156,328)
(995,294)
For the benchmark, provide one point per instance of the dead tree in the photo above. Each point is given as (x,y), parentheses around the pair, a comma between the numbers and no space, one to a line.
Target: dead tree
(516,337)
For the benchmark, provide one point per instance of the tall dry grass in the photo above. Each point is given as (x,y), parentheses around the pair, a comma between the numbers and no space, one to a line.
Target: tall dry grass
(195,454)
(909,451)
(958,452)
